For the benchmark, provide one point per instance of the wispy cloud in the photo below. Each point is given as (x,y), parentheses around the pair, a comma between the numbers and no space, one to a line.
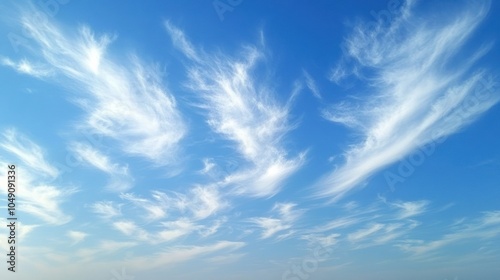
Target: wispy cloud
(23,233)
(200,202)
(29,153)
(120,180)
(206,202)
(225,259)
(105,87)
(243,111)
(377,224)
(337,224)
(40,198)
(206,231)
(26,67)
(25,230)
(131,229)
(181,42)
(44,202)
(106,209)
(105,247)
(322,240)
(410,208)
(154,209)
(180,254)
(285,217)
(175,229)
(76,236)
(184,212)
(365,232)
(420,90)
(167,231)
(311,85)
(305,82)
(485,227)
(208,166)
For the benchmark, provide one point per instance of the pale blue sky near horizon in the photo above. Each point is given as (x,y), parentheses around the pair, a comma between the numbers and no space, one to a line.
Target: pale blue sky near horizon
(237,139)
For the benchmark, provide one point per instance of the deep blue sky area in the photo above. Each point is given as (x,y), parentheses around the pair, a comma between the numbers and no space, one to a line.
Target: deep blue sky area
(237,139)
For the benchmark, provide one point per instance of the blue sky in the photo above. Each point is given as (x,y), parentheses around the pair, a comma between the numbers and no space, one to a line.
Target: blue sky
(252,139)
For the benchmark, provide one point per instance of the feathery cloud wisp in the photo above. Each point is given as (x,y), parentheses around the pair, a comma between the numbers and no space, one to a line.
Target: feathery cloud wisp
(120,179)
(244,112)
(419,93)
(200,202)
(26,67)
(106,209)
(28,152)
(76,236)
(410,208)
(365,232)
(485,227)
(180,254)
(286,215)
(106,87)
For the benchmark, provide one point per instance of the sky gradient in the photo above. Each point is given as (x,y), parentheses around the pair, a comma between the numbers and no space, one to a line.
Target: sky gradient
(251,139)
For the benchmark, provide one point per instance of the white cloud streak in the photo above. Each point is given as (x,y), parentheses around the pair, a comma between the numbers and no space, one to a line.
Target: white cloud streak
(371,226)
(311,85)
(421,92)
(365,232)
(76,236)
(36,196)
(25,230)
(44,202)
(284,219)
(322,240)
(120,179)
(26,67)
(242,111)
(200,202)
(337,224)
(410,208)
(105,247)
(485,227)
(106,209)
(131,229)
(154,209)
(175,229)
(31,155)
(169,230)
(179,254)
(123,99)
(187,210)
